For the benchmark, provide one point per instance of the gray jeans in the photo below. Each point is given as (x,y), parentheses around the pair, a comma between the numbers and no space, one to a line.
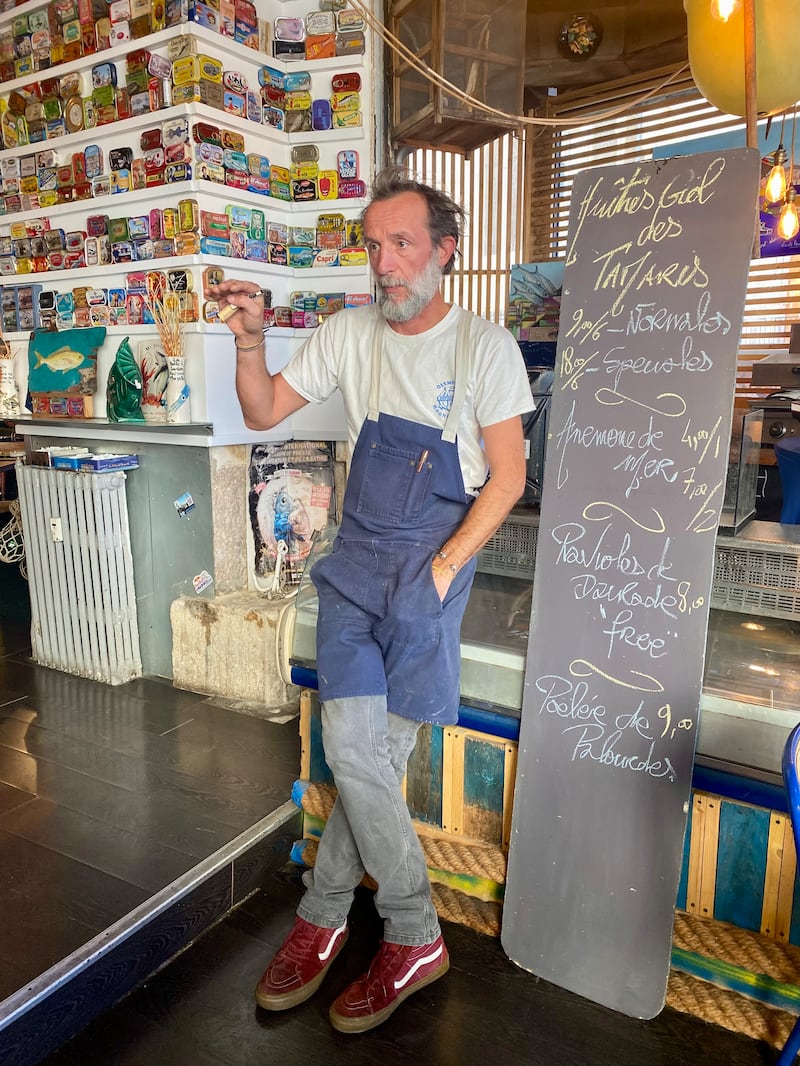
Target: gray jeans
(370,828)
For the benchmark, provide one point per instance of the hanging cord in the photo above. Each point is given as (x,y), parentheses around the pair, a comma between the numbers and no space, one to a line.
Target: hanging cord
(397,46)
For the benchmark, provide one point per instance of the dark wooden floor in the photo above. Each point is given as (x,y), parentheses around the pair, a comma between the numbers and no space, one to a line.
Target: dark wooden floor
(107,794)
(110,793)
(200,1011)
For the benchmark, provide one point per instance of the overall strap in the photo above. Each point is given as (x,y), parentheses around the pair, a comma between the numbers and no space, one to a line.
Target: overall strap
(375,369)
(461,374)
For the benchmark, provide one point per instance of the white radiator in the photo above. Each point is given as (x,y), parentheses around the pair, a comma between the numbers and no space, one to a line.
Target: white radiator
(80,571)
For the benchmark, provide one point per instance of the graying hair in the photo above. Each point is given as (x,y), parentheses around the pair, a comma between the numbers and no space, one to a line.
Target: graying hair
(445,216)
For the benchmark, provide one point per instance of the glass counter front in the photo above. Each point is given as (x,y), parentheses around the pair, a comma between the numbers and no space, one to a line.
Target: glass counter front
(751,685)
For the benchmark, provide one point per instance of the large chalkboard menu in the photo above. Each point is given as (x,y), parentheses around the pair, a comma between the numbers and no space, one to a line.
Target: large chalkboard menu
(637,454)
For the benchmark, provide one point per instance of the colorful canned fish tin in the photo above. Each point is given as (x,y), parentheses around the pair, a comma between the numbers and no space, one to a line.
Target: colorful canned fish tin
(232,140)
(235,81)
(178,172)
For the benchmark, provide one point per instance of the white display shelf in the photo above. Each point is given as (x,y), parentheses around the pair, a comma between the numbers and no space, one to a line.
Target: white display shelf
(197,187)
(209,355)
(124,128)
(251,267)
(217,44)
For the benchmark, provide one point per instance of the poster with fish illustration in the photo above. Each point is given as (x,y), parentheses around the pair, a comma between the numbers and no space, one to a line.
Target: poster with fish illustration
(534,305)
(62,370)
(290,497)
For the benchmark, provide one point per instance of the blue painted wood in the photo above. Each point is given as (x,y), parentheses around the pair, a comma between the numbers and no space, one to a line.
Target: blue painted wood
(794,927)
(791,1047)
(304,677)
(483,790)
(319,769)
(494,723)
(483,774)
(437,770)
(790,765)
(790,778)
(741,865)
(683,883)
(424,779)
(743,789)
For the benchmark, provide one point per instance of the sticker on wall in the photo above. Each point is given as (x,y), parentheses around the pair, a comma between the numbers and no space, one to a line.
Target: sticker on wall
(202,580)
(184,505)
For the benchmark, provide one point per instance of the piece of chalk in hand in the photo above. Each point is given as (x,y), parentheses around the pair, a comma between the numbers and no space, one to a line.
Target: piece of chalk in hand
(225,313)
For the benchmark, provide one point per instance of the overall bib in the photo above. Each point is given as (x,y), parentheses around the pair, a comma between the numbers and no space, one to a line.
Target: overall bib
(382,628)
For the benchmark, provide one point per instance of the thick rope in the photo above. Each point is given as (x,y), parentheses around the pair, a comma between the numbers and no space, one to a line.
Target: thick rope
(476,860)
(741,947)
(478,914)
(318,800)
(450,904)
(753,952)
(690,995)
(454,857)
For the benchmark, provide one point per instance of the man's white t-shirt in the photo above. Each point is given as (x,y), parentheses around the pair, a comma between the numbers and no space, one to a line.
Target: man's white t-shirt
(416,377)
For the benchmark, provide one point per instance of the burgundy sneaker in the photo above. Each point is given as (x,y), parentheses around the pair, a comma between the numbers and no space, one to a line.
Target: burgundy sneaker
(396,971)
(299,965)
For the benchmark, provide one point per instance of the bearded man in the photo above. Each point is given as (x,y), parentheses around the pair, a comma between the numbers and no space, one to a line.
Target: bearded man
(433,397)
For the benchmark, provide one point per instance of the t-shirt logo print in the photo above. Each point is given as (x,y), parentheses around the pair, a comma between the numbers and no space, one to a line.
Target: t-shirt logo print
(444,397)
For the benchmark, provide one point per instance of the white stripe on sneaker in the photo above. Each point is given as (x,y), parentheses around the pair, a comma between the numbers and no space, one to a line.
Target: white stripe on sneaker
(324,955)
(419,963)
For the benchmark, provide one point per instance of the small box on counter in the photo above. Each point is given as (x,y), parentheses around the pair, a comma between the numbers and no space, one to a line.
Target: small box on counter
(99,463)
(66,462)
(47,456)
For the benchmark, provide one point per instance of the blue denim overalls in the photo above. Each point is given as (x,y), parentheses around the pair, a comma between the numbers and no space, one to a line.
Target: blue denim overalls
(382,629)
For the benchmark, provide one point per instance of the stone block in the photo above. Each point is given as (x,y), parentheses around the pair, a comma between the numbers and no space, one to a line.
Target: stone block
(227,647)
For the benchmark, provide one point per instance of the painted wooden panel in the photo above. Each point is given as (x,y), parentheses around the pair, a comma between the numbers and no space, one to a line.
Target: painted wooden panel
(779,879)
(484,764)
(682,884)
(741,864)
(319,771)
(794,929)
(424,777)
(701,878)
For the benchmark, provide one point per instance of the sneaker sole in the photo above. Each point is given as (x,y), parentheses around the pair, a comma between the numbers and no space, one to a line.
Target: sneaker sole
(363,1024)
(285,1000)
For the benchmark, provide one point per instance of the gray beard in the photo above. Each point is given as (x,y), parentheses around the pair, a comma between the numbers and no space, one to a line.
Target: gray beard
(420,292)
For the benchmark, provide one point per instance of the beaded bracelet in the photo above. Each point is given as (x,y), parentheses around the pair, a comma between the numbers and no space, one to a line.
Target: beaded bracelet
(251,347)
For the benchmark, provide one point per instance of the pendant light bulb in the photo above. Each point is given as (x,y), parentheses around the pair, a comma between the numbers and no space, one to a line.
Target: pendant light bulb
(724,9)
(788,222)
(775,188)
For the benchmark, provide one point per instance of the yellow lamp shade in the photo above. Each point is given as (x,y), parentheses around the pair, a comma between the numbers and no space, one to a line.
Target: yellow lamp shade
(716,54)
